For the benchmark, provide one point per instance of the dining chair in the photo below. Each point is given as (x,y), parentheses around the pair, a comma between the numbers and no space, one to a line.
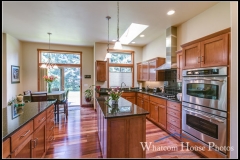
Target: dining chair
(26,92)
(38,97)
(65,105)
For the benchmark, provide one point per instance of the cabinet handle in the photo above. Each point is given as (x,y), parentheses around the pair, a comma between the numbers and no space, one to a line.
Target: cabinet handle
(42,119)
(25,134)
(199,59)
(202,59)
(35,143)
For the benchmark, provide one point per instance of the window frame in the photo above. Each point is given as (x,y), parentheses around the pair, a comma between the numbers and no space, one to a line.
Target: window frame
(120,64)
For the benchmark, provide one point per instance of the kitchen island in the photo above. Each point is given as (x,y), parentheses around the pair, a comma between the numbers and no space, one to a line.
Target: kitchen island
(121,128)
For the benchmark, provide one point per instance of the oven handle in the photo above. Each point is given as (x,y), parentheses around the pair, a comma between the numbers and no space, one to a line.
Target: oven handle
(214,118)
(205,79)
(197,113)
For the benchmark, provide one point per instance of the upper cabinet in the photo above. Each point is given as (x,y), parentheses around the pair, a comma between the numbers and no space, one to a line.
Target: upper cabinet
(101,71)
(209,51)
(179,66)
(146,71)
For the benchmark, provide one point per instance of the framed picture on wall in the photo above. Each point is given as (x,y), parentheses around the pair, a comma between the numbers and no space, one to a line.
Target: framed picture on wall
(15,74)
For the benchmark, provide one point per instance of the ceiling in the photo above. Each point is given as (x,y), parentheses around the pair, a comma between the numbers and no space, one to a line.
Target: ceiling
(83,23)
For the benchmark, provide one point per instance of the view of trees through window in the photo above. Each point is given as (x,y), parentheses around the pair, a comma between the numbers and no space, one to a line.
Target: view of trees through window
(124,58)
(60,58)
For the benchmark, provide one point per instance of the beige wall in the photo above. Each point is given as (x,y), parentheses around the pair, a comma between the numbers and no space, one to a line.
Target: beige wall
(12,55)
(234,81)
(211,20)
(30,67)
(100,50)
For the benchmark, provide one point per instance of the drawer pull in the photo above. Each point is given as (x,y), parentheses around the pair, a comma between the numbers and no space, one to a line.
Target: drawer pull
(25,134)
(172,129)
(42,119)
(51,128)
(35,143)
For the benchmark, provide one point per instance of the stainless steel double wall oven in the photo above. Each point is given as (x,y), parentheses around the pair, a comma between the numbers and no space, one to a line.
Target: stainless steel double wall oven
(204,106)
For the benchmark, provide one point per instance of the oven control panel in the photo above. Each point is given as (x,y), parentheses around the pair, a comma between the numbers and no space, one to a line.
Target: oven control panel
(213,71)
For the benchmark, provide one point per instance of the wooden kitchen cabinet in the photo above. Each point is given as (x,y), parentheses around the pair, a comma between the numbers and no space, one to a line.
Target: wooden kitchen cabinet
(174,119)
(209,51)
(101,71)
(145,103)
(130,96)
(24,150)
(139,71)
(179,66)
(162,116)
(153,74)
(154,111)
(50,126)
(145,71)
(6,148)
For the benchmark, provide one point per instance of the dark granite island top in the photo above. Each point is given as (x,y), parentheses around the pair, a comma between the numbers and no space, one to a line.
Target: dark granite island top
(12,121)
(123,109)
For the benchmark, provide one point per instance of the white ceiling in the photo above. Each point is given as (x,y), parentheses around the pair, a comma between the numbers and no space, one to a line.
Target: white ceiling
(82,23)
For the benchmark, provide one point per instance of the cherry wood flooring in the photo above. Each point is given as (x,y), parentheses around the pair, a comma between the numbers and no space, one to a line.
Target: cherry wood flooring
(77,137)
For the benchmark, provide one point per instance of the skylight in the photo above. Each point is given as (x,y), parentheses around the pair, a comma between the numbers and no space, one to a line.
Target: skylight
(132,32)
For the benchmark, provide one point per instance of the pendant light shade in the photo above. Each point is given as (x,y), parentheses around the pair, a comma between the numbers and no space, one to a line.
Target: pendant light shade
(118,44)
(49,64)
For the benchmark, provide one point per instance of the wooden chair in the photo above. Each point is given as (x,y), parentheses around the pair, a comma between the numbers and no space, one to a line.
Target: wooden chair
(38,97)
(65,105)
(26,92)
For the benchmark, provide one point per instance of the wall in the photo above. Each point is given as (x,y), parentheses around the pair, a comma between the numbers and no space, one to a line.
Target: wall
(211,20)
(12,53)
(100,50)
(234,81)
(30,67)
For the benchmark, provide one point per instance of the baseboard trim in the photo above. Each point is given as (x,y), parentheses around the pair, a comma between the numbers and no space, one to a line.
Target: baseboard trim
(87,105)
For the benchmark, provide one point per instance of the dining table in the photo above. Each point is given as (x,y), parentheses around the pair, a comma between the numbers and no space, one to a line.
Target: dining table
(59,95)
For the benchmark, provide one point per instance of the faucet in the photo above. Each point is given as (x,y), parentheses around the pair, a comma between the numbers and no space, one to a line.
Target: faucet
(124,84)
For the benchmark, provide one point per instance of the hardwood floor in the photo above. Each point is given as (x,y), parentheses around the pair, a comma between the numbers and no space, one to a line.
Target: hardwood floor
(77,138)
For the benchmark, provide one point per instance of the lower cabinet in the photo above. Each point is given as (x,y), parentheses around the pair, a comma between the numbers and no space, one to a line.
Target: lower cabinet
(130,96)
(117,135)
(6,149)
(33,139)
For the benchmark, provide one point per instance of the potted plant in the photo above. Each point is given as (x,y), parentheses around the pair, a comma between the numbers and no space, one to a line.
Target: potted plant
(88,94)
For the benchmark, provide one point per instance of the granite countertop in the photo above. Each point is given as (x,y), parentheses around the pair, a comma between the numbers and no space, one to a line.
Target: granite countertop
(14,119)
(122,109)
(104,92)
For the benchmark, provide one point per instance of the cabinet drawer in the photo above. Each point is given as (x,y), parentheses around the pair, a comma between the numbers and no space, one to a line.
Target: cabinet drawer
(139,94)
(50,125)
(174,130)
(145,96)
(39,120)
(128,94)
(50,110)
(173,120)
(6,148)
(21,135)
(174,105)
(158,100)
(174,113)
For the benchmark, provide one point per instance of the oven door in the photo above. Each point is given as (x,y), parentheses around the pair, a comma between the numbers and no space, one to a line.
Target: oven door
(206,91)
(206,127)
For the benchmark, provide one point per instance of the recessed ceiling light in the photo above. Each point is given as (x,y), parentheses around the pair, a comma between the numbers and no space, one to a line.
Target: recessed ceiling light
(142,35)
(114,40)
(132,32)
(133,42)
(170,12)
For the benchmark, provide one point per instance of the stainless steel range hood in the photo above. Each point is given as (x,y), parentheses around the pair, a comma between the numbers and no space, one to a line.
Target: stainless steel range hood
(171,48)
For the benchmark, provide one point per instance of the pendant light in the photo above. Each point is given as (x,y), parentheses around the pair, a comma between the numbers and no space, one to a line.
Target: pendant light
(118,44)
(108,55)
(49,64)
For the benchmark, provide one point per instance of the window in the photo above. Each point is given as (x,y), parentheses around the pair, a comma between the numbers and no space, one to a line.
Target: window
(121,68)
(60,58)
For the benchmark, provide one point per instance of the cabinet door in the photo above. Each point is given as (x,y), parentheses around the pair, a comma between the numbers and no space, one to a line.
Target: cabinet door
(145,71)
(101,70)
(214,51)
(162,116)
(139,102)
(139,72)
(191,56)
(130,99)
(154,111)
(39,141)
(24,149)
(179,66)
(146,105)
(152,72)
